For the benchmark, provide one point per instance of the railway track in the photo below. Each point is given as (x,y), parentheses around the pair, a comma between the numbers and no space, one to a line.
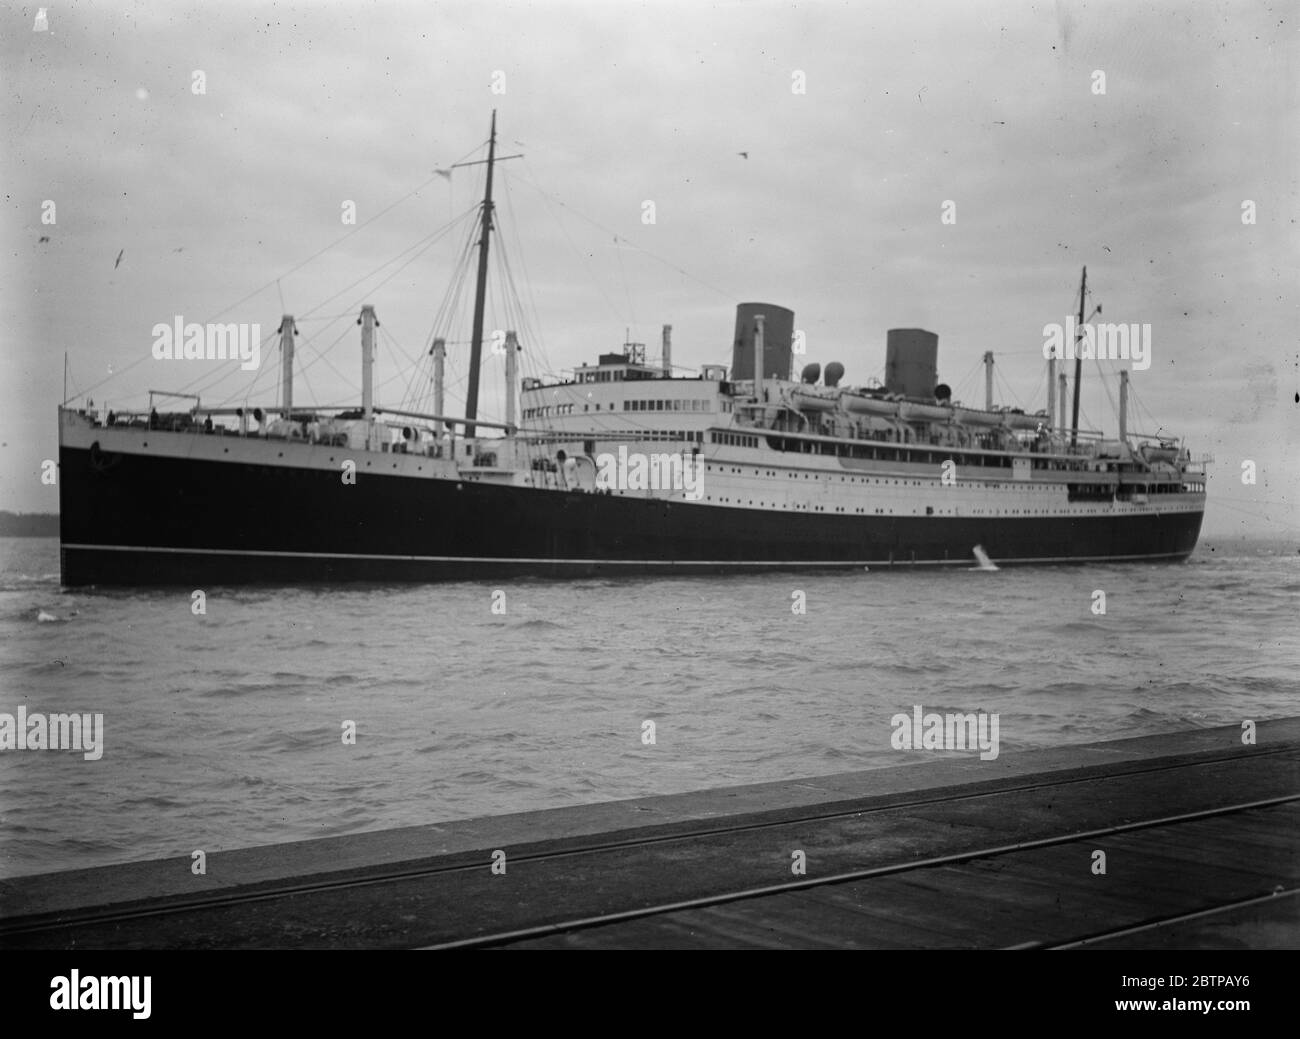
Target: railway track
(730,855)
(1150,927)
(882,871)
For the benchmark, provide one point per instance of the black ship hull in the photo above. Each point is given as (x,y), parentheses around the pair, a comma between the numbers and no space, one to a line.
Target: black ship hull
(141,520)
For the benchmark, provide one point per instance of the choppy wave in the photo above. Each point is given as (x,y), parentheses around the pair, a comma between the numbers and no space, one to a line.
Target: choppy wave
(232,730)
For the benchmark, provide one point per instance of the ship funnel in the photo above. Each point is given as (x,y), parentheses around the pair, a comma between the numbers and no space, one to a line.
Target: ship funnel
(834,373)
(811,373)
(911,362)
(778,335)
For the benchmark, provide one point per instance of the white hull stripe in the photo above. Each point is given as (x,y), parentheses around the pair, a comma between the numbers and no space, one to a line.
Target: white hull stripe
(606,562)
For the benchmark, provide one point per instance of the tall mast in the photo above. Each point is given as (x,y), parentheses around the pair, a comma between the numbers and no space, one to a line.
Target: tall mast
(480,290)
(368,323)
(287,332)
(1078,359)
(439,352)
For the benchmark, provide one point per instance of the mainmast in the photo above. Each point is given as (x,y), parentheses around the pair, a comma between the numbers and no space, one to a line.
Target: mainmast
(480,290)
(1078,357)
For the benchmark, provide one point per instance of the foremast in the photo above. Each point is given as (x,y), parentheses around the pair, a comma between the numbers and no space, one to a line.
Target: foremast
(1078,362)
(480,288)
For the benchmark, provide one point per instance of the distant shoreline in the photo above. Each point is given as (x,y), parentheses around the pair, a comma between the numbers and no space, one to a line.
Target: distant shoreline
(29,524)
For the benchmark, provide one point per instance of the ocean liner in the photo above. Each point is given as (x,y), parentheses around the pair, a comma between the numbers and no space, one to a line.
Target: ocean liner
(623,467)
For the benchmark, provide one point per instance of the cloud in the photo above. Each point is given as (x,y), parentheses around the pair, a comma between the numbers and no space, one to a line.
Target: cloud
(835,214)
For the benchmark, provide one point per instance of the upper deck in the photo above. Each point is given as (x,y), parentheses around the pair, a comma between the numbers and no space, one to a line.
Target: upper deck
(622,398)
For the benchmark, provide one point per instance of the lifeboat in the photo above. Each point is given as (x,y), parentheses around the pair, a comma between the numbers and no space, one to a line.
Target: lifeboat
(967,417)
(864,405)
(929,412)
(807,399)
(1164,453)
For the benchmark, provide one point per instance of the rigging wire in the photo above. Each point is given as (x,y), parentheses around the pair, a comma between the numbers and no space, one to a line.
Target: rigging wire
(731,297)
(1105,382)
(523,266)
(420,247)
(337,241)
(627,290)
(324,357)
(209,380)
(420,385)
(307,382)
(518,316)
(961,386)
(386,336)
(1141,409)
(248,391)
(584,257)
(1006,387)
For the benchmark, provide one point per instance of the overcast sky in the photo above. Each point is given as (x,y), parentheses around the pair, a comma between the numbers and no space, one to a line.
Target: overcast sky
(213,200)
